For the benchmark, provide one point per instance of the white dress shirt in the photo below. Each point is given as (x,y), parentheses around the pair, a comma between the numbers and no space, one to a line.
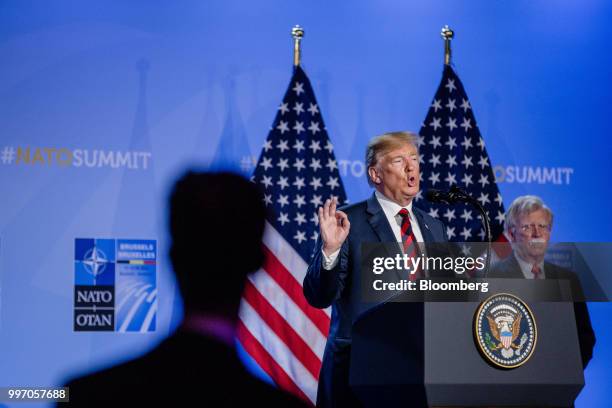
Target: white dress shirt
(391,210)
(526,268)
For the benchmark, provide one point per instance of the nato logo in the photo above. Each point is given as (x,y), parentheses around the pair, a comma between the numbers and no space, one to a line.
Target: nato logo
(115,285)
(505,331)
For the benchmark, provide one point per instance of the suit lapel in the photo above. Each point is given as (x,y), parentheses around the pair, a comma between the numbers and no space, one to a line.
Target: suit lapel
(380,225)
(378,221)
(514,269)
(423,226)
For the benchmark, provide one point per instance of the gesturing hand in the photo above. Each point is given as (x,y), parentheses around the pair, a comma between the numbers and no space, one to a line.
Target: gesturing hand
(334,225)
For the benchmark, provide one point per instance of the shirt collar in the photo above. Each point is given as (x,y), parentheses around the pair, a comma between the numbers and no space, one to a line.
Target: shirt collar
(526,266)
(389,206)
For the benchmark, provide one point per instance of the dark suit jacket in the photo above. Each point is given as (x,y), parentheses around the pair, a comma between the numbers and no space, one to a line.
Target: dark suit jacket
(510,268)
(340,288)
(186,369)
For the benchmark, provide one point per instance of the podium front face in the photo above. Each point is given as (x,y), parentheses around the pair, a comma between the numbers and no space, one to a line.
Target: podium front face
(456,374)
(425,354)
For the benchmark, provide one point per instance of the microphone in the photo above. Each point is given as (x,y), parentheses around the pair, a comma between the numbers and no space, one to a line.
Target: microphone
(437,196)
(453,196)
(456,195)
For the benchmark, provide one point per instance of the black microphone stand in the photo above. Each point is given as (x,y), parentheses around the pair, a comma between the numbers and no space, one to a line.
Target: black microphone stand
(458,195)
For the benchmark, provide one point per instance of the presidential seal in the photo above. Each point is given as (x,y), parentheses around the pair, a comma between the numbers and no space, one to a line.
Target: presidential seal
(505,330)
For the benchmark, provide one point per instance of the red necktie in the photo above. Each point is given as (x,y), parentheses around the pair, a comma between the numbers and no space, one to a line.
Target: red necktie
(537,272)
(409,244)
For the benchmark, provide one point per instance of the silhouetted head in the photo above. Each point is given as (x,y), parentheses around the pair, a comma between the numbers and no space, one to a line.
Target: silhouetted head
(216,225)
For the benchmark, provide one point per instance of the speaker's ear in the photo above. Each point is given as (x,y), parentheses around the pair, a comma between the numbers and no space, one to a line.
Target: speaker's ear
(374,175)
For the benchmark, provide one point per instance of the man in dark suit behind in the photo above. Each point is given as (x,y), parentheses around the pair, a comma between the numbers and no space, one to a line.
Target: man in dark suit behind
(333,276)
(213,216)
(528,227)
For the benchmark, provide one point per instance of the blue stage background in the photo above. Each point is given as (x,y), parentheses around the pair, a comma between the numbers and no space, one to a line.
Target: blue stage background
(119,97)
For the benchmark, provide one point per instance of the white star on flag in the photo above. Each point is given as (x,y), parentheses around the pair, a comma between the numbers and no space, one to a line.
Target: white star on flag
(299,201)
(467,215)
(314,127)
(300,236)
(282,146)
(450,85)
(282,182)
(299,88)
(315,164)
(449,214)
(451,143)
(283,218)
(283,164)
(300,218)
(266,163)
(299,164)
(298,108)
(435,141)
(451,105)
(434,178)
(436,105)
(283,108)
(315,183)
(282,126)
(299,183)
(298,127)
(299,145)
(435,123)
(315,146)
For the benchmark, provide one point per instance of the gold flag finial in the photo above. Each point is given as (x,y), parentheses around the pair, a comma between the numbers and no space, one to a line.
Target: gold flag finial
(448,35)
(297,33)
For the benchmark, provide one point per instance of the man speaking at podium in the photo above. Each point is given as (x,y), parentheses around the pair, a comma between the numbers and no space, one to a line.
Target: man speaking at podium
(389,215)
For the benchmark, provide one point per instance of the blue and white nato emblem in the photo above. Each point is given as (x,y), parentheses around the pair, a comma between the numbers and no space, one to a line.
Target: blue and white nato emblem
(115,285)
(505,330)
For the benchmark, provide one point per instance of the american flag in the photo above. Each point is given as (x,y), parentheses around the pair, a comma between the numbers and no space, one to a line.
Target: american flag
(452,152)
(297,171)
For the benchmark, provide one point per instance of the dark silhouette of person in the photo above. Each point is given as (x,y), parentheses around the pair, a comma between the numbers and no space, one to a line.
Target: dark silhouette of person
(216,225)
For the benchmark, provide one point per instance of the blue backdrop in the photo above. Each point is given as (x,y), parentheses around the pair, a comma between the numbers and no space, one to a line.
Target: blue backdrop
(103,103)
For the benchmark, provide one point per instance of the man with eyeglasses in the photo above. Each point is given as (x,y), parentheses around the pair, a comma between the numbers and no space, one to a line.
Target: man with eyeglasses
(528,226)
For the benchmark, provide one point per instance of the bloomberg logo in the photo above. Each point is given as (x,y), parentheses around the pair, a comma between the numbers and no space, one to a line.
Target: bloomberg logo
(115,285)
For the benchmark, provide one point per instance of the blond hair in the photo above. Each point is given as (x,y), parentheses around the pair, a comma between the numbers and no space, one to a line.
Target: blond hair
(382,144)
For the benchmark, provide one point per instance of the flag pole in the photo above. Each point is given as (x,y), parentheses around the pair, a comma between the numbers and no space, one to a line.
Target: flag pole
(447,34)
(297,33)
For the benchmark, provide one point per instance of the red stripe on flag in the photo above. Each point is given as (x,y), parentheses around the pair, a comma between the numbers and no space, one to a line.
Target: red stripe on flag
(293,288)
(283,330)
(266,361)
(503,251)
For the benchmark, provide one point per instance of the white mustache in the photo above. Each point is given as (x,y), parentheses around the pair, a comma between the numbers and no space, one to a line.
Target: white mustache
(537,241)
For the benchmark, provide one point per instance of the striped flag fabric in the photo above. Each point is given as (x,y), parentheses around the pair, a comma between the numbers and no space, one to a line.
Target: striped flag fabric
(297,172)
(452,152)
